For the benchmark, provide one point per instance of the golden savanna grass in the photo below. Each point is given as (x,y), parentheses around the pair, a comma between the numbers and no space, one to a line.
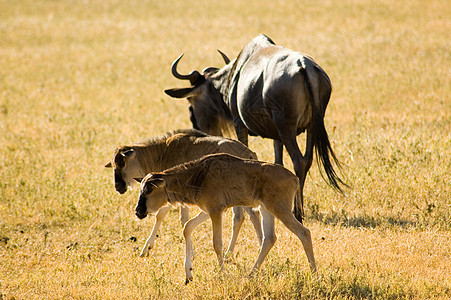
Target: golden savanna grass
(78,78)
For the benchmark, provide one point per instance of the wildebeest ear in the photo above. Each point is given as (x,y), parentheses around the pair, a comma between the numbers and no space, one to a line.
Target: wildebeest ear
(179,93)
(210,71)
(128,153)
(158,182)
(108,165)
(138,179)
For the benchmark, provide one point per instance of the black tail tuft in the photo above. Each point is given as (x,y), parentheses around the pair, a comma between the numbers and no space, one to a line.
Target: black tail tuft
(319,97)
(324,153)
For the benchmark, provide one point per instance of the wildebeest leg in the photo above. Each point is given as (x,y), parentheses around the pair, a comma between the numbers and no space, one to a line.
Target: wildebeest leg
(242,134)
(255,217)
(302,232)
(189,227)
(301,164)
(151,240)
(306,163)
(278,152)
(238,219)
(216,221)
(308,156)
(184,215)
(269,237)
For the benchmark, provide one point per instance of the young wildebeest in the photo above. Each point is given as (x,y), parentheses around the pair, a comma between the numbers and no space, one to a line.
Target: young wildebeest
(218,181)
(180,146)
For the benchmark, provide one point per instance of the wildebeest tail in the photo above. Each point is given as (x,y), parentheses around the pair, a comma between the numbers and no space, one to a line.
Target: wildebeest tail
(298,207)
(320,88)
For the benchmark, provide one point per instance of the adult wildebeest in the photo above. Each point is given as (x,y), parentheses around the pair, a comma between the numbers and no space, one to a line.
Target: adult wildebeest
(219,181)
(269,91)
(174,148)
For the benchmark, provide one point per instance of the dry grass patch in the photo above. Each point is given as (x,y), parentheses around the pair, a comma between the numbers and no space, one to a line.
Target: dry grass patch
(79,78)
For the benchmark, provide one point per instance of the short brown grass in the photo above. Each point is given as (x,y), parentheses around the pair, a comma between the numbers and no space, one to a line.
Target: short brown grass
(78,78)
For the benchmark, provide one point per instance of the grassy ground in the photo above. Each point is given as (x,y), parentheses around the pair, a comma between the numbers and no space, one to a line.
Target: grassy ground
(78,78)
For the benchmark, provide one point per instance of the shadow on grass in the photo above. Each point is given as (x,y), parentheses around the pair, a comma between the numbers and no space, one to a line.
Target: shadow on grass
(342,218)
(326,284)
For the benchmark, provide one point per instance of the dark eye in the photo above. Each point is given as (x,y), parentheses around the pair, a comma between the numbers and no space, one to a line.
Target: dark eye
(147,189)
(119,161)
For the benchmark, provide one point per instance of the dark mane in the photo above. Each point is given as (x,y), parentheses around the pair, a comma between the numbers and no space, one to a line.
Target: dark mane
(218,103)
(222,111)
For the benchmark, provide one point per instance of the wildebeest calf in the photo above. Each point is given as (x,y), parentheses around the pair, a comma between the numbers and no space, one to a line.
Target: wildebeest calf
(219,181)
(174,148)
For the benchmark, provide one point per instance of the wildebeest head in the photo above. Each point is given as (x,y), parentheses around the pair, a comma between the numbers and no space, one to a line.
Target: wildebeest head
(125,168)
(208,111)
(152,195)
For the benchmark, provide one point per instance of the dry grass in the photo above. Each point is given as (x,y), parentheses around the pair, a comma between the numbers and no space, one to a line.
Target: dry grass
(78,78)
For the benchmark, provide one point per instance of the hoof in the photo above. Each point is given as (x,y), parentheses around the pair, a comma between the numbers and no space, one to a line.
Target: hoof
(188,280)
(144,254)
(229,257)
(253,273)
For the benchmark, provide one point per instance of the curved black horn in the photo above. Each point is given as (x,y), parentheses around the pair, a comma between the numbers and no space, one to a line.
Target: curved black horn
(226,59)
(192,77)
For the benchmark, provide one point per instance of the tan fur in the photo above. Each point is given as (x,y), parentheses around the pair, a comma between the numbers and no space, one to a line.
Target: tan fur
(219,181)
(174,148)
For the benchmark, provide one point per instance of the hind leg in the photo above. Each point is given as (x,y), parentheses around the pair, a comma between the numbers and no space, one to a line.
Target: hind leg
(269,237)
(216,222)
(302,232)
(301,164)
(278,152)
(306,160)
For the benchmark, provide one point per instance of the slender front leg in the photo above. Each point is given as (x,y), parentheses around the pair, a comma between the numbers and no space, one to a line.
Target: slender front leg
(151,240)
(184,215)
(278,152)
(269,237)
(238,219)
(189,227)
(255,217)
(216,221)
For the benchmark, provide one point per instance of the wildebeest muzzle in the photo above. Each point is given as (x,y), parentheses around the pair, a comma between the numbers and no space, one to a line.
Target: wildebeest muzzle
(119,184)
(141,208)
